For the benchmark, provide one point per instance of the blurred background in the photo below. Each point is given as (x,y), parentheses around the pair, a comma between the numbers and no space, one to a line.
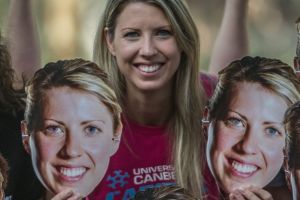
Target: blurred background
(67,27)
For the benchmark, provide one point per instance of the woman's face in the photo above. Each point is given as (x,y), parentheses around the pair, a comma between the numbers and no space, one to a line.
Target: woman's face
(246,145)
(73,146)
(145,47)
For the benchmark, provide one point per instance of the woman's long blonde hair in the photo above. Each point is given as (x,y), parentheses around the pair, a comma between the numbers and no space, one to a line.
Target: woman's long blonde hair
(185,122)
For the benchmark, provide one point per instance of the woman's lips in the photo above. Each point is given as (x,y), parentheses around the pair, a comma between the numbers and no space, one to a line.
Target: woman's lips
(242,169)
(148,68)
(71,174)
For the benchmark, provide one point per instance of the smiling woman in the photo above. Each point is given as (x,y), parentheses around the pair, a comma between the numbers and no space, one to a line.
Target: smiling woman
(246,135)
(72,126)
(150,49)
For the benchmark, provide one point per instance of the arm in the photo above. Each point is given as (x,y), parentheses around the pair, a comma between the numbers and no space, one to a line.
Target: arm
(23,40)
(232,41)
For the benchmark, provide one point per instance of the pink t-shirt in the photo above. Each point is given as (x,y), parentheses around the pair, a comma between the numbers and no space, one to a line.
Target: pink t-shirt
(143,161)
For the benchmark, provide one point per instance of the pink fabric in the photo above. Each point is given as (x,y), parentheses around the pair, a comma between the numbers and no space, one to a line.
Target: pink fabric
(143,161)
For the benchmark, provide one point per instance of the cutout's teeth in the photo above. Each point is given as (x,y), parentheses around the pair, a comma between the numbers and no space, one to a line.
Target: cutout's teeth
(72,172)
(243,168)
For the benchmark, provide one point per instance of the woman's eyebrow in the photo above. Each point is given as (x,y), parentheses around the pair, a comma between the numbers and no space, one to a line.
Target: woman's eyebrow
(55,120)
(239,114)
(273,123)
(94,120)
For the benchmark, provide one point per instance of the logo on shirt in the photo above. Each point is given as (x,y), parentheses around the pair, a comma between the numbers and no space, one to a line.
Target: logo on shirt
(153,174)
(118,178)
(125,184)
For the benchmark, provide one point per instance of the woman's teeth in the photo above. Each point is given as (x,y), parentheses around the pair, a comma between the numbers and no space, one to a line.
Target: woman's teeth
(72,172)
(243,168)
(149,68)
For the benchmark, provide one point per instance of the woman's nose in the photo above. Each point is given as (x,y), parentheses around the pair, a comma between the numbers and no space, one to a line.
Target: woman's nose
(248,144)
(72,147)
(148,47)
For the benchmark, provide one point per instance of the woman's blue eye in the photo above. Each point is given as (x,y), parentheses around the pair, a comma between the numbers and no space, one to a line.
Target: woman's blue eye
(272,132)
(92,130)
(164,33)
(131,35)
(54,130)
(234,122)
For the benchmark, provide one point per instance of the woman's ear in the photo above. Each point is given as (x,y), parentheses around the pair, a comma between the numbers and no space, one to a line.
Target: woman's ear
(205,119)
(116,138)
(109,41)
(25,136)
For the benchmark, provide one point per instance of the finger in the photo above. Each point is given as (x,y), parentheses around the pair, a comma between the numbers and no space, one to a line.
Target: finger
(261,193)
(249,195)
(76,196)
(236,195)
(63,195)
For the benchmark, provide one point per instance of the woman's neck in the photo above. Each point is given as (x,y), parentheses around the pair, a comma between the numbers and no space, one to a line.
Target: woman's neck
(149,108)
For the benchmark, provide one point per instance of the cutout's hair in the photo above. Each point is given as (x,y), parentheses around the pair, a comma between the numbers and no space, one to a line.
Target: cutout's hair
(77,74)
(272,74)
(292,126)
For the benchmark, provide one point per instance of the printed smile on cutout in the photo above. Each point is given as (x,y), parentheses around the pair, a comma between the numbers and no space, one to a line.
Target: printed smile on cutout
(72,172)
(243,168)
